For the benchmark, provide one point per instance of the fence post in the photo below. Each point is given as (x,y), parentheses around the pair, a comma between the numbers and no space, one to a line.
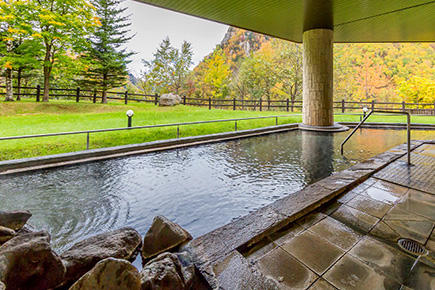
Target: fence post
(434,108)
(209,103)
(403,106)
(95,96)
(156,97)
(261,104)
(126,97)
(342,106)
(38,93)
(268,104)
(234,104)
(293,105)
(373,105)
(287,104)
(184,100)
(78,94)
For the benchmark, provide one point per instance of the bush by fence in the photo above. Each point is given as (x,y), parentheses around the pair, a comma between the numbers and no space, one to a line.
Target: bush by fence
(233,104)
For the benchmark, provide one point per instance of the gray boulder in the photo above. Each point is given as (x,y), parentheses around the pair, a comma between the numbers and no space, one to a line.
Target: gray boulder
(166,272)
(14,219)
(28,262)
(122,243)
(169,100)
(162,236)
(6,234)
(110,274)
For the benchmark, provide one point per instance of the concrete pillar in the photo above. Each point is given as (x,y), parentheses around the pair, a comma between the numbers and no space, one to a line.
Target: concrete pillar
(318,77)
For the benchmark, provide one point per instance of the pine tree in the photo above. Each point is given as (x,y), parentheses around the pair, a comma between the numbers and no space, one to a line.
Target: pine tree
(107,59)
(169,70)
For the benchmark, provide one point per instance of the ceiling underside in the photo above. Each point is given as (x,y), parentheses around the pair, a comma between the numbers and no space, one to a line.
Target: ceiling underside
(353,20)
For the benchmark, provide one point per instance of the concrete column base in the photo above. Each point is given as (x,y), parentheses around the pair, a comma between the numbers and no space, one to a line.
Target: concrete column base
(334,128)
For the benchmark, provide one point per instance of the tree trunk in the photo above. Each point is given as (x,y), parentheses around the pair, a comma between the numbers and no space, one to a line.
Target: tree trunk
(104,97)
(104,94)
(9,92)
(46,94)
(19,83)
(48,62)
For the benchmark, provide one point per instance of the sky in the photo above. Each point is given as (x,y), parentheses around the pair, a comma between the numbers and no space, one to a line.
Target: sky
(151,25)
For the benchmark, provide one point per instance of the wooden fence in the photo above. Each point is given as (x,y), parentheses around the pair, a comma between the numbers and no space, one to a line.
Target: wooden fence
(232,104)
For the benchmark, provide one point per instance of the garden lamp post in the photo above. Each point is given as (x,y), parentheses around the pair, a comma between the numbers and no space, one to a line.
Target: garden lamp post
(129,114)
(365,110)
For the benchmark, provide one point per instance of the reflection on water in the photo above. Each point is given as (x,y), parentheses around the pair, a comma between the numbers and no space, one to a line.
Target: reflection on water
(201,188)
(317,146)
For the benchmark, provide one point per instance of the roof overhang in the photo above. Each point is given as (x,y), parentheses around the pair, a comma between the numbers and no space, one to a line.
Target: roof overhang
(352,20)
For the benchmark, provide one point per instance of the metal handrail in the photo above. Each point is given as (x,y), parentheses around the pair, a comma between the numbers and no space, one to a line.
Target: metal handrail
(142,127)
(408,129)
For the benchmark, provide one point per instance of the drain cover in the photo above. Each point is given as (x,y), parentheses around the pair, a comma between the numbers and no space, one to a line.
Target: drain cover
(412,247)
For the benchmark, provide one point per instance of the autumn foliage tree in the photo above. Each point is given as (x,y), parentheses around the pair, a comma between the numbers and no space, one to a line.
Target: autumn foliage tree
(62,26)
(274,71)
(15,31)
(213,75)
(382,72)
(417,90)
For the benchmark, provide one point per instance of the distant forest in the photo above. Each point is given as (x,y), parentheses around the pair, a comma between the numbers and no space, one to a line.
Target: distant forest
(68,44)
(251,66)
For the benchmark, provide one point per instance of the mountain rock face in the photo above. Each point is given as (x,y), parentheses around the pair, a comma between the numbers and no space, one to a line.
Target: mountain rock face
(239,43)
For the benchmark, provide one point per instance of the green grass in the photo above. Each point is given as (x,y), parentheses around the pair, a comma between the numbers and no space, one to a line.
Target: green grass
(386,119)
(28,118)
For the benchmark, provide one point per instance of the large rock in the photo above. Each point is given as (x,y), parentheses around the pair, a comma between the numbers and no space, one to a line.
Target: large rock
(14,219)
(26,230)
(123,243)
(162,236)
(169,100)
(28,262)
(33,237)
(166,272)
(110,274)
(6,234)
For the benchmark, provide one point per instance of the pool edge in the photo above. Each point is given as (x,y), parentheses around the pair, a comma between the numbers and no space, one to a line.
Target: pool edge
(78,157)
(218,244)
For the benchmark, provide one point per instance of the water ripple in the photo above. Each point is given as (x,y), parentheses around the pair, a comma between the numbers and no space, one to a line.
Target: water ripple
(200,188)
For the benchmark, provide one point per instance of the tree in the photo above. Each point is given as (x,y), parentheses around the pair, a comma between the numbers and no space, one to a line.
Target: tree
(213,75)
(287,68)
(170,68)
(257,75)
(417,89)
(63,26)
(26,59)
(371,78)
(107,59)
(14,29)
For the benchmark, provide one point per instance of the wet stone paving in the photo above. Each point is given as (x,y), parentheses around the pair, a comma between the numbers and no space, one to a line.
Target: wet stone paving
(352,243)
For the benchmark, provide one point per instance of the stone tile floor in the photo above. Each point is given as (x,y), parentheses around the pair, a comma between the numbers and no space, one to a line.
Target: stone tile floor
(352,243)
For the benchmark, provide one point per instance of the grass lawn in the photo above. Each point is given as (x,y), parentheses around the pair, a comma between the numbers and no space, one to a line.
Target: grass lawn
(28,118)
